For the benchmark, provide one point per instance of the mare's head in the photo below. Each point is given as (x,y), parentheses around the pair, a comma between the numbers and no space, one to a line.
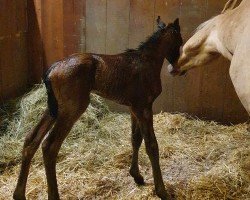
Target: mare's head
(199,50)
(170,40)
(203,47)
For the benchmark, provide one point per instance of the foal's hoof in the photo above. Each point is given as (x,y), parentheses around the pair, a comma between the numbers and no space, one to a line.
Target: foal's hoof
(17,196)
(139,180)
(137,177)
(163,195)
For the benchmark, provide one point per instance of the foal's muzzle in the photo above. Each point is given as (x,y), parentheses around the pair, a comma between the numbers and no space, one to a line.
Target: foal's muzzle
(174,71)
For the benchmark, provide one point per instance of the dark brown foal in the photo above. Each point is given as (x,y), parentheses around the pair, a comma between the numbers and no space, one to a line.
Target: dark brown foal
(131,78)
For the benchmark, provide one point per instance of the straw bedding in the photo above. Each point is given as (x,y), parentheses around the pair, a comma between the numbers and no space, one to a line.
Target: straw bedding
(199,160)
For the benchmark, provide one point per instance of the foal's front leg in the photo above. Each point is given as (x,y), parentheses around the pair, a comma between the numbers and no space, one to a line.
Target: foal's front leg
(145,117)
(136,140)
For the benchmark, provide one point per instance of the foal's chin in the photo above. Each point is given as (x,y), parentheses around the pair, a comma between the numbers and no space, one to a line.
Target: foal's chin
(175,72)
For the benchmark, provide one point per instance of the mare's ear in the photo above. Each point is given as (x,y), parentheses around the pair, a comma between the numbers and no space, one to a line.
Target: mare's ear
(160,24)
(177,25)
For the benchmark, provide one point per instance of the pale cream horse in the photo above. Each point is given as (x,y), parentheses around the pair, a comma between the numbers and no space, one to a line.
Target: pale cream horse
(227,34)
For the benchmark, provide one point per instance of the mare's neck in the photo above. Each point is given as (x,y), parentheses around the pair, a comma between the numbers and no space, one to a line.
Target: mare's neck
(231,26)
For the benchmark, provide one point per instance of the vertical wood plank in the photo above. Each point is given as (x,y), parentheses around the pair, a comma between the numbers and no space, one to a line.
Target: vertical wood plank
(80,15)
(74,26)
(69,27)
(52,29)
(20,63)
(186,89)
(13,48)
(169,11)
(117,26)
(2,94)
(8,18)
(38,11)
(8,69)
(213,86)
(21,15)
(19,49)
(35,44)
(96,26)
(2,33)
(141,23)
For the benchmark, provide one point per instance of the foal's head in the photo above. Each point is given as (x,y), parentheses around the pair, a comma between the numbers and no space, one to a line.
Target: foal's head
(170,40)
(165,42)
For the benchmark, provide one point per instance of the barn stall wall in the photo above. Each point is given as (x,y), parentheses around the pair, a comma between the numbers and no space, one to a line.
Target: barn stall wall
(111,26)
(13,48)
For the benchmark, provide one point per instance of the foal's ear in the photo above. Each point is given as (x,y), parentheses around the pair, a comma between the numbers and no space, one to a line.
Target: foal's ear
(160,24)
(177,25)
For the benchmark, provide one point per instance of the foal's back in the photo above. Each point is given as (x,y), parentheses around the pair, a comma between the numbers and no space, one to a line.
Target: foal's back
(125,78)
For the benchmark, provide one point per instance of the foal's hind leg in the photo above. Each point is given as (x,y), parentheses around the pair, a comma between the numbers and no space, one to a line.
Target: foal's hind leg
(136,139)
(52,145)
(31,144)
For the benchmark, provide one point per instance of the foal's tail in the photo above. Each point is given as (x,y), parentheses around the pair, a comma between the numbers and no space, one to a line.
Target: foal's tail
(52,102)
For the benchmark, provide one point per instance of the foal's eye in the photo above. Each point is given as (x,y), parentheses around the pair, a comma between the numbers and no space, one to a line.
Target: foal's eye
(174,31)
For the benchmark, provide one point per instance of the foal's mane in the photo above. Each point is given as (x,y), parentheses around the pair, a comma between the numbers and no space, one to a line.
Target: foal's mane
(149,44)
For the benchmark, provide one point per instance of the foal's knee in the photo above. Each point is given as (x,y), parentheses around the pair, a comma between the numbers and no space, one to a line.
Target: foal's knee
(152,148)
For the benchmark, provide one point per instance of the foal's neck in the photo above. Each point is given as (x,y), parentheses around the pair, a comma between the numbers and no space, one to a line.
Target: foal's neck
(154,57)
(153,47)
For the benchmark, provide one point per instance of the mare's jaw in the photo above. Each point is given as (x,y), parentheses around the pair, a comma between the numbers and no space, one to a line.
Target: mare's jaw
(183,73)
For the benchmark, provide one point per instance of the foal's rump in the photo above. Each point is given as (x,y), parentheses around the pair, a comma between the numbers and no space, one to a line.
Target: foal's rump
(69,83)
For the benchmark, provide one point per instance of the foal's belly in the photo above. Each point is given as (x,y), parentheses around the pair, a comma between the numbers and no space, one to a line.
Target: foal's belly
(118,98)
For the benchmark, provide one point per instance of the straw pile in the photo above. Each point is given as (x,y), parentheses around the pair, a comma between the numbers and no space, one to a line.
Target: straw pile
(199,160)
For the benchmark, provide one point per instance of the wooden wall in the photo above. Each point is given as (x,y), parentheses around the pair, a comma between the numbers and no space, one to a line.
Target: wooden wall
(62,27)
(13,48)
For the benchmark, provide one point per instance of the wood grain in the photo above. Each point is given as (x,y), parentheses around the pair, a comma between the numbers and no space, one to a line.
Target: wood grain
(52,30)
(96,26)
(117,26)
(141,24)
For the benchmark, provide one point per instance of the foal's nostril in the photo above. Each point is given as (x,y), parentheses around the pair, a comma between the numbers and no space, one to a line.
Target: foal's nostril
(172,70)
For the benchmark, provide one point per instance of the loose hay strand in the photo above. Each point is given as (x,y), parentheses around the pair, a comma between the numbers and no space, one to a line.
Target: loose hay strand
(199,160)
